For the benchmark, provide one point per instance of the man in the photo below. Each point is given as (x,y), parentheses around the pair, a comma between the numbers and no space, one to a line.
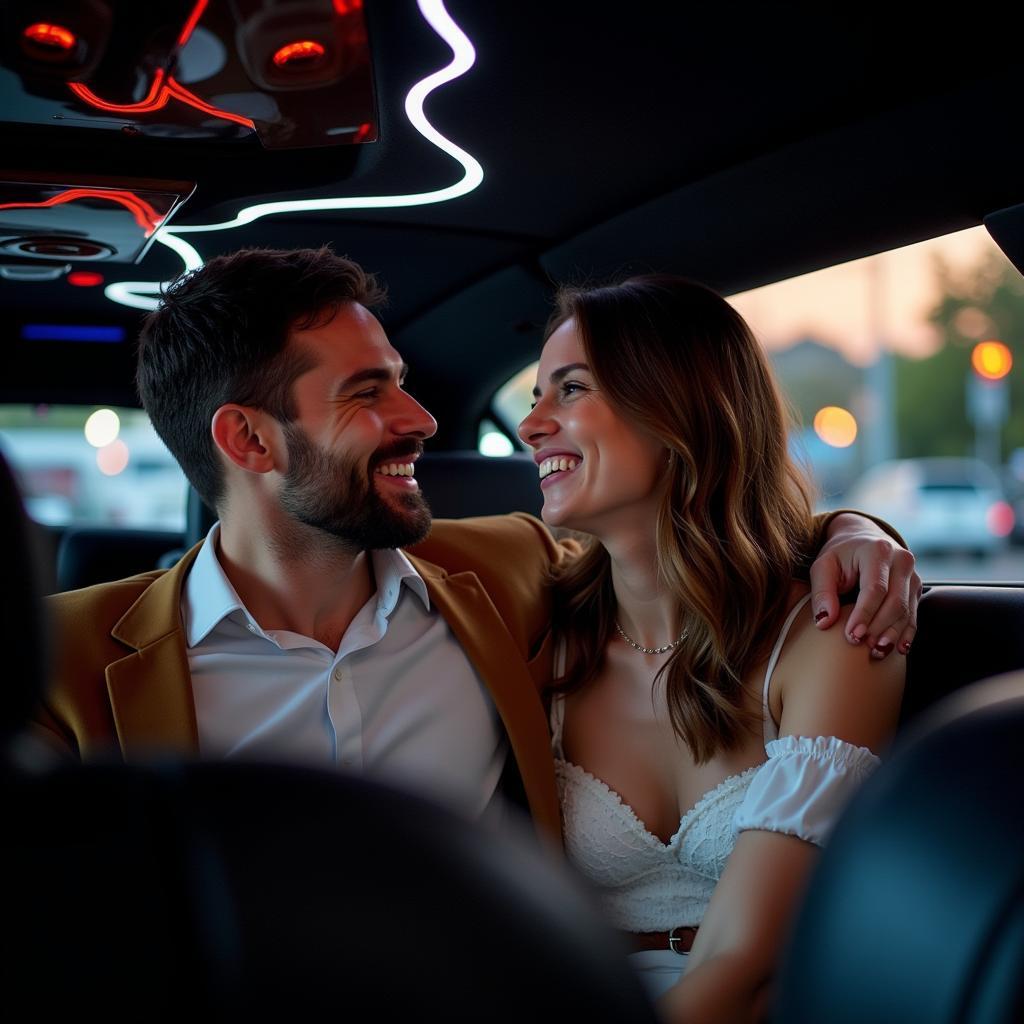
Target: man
(299,629)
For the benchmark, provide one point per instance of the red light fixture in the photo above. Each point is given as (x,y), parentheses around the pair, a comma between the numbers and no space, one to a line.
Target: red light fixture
(54,38)
(145,216)
(85,279)
(303,53)
(164,87)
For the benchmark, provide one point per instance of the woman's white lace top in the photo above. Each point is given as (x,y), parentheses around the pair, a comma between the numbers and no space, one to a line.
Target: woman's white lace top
(650,886)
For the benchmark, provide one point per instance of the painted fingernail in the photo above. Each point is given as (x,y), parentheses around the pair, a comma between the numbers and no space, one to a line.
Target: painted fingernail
(905,646)
(881,649)
(859,631)
(821,615)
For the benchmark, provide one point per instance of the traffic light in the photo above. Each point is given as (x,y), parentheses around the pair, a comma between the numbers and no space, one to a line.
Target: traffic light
(991,360)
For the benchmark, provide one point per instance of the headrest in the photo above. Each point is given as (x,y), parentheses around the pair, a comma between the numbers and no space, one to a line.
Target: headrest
(461,484)
(916,910)
(25,643)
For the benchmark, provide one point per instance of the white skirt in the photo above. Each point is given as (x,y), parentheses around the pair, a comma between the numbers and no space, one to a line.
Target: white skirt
(659,969)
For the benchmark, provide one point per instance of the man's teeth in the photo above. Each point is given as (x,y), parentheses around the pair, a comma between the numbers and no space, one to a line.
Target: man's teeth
(397,469)
(549,466)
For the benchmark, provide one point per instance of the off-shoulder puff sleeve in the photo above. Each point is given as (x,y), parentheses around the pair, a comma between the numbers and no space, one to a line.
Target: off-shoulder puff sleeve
(803,786)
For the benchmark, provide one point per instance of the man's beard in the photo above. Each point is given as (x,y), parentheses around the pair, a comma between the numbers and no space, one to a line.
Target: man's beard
(334,494)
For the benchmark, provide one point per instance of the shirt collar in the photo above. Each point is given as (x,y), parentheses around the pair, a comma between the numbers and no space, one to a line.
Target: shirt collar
(392,569)
(210,597)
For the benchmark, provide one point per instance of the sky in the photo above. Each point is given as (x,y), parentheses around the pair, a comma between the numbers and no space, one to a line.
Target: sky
(837,306)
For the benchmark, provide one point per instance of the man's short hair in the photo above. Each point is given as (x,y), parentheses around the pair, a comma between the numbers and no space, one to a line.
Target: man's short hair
(221,335)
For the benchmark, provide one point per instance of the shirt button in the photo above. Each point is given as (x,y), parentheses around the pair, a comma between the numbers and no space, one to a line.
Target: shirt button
(338,673)
(251,628)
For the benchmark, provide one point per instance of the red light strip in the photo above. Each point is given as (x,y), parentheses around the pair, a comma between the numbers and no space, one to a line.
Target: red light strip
(193,20)
(178,91)
(145,216)
(160,91)
(155,99)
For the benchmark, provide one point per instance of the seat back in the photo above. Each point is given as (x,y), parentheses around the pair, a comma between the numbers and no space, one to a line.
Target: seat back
(965,634)
(916,910)
(25,639)
(238,891)
(99,554)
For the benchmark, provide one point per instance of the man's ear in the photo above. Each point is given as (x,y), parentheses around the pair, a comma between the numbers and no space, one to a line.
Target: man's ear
(249,437)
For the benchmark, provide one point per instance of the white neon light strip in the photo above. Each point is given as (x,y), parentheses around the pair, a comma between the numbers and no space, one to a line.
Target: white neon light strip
(145,294)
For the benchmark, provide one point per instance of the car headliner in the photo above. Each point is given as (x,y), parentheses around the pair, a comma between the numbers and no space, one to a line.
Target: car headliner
(738,145)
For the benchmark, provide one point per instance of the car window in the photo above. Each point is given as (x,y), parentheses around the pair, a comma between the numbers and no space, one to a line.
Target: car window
(81,465)
(877,358)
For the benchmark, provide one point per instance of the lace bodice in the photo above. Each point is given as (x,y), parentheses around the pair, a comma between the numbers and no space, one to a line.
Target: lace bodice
(647,885)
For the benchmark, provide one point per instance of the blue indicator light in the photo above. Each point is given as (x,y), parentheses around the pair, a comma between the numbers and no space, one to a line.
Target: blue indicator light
(71,332)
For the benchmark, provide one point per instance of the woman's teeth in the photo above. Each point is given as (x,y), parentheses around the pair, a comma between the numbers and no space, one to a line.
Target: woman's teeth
(549,466)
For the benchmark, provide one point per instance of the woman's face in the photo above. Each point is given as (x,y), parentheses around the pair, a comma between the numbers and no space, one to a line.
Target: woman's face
(599,471)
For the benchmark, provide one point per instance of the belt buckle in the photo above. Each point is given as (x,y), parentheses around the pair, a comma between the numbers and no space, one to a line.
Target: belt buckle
(675,941)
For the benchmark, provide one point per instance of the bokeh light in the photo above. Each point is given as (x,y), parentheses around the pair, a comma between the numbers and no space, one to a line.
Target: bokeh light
(112,458)
(495,444)
(835,426)
(991,360)
(102,427)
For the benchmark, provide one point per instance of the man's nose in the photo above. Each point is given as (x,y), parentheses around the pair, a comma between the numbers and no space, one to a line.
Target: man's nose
(413,419)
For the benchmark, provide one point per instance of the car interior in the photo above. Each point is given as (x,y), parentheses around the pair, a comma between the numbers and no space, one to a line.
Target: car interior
(474,156)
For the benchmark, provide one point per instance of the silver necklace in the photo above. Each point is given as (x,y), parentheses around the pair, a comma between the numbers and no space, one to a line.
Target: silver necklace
(650,650)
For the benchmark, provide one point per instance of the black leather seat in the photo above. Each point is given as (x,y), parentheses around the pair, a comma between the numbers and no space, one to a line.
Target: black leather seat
(916,911)
(966,633)
(98,554)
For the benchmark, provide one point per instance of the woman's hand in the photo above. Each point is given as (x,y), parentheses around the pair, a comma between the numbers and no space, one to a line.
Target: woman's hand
(859,553)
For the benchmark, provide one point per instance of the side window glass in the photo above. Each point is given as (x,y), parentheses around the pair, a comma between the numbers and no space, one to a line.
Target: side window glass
(88,466)
(905,373)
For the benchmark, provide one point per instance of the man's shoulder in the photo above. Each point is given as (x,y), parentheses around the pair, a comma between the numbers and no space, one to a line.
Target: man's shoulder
(92,600)
(100,606)
(513,540)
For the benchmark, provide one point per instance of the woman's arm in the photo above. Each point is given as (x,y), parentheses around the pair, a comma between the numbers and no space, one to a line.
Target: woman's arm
(827,688)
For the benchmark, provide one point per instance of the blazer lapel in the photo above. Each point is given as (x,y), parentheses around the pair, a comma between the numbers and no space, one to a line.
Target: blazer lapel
(150,690)
(469,611)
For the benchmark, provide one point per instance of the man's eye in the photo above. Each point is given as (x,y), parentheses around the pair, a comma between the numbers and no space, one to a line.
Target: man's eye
(367,393)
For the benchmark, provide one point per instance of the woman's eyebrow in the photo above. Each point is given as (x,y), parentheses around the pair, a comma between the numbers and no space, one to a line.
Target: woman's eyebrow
(562,371)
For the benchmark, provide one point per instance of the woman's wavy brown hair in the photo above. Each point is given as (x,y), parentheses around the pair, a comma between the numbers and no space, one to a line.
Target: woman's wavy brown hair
(734,523)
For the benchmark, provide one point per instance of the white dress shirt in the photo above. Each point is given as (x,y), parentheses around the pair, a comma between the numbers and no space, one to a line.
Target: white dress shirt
(399,700)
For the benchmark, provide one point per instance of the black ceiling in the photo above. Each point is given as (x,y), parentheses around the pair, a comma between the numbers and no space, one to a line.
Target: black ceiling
(736,143)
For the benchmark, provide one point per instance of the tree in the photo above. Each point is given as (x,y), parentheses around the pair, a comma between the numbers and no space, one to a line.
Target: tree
(984,302)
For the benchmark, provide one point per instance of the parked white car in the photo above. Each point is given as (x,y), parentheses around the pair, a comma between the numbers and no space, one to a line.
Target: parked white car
(938,504)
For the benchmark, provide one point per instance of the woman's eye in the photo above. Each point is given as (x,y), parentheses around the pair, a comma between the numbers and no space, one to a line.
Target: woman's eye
(570,387)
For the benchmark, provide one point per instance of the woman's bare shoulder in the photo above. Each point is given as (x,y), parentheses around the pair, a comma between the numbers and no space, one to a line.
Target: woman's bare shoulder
(828,686)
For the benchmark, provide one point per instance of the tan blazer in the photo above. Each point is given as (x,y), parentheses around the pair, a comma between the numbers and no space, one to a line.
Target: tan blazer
(122,686)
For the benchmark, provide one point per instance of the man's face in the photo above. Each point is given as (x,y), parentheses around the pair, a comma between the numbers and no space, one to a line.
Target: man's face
(357,435)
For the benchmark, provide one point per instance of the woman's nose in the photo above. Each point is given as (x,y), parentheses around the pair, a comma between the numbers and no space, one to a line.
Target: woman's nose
(535,427)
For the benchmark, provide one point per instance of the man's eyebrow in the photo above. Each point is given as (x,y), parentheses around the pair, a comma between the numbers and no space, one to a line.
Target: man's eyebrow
(375,373)
(560,373)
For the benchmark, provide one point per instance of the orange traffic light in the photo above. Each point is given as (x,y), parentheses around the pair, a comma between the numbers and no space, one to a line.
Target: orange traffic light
(991,360)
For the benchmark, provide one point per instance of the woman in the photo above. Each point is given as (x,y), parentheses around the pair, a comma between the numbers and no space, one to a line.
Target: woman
(706,734)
